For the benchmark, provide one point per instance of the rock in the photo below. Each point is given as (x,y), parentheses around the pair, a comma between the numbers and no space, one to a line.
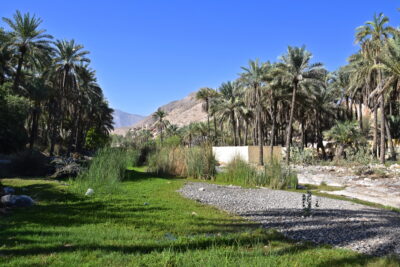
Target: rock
(299,186)
(8,190)
(70,170)
(18,201)
(89,192)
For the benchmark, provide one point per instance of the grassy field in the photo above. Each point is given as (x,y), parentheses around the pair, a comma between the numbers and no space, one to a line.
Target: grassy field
(148,224)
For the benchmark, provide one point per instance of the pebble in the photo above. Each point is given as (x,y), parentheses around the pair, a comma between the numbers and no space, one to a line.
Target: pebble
(335,222)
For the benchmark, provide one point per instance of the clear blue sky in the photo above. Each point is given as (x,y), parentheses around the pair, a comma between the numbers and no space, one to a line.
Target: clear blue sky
(148,53)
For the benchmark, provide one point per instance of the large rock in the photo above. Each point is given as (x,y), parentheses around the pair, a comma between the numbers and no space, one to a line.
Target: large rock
(20,201)
(70,170)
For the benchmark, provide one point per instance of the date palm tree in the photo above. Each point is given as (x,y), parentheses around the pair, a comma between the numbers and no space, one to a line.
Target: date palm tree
(372,37)
(206,94)
(26,39)
(296,69)
(230,105)
(161,124)
(253,79)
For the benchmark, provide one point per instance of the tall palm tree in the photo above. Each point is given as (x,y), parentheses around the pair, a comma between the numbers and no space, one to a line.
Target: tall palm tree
(296,69)
(372,37)
(230,105)
(6,67)
(205,94)
(159,116)
(69,56)
(26,38)
(253,78)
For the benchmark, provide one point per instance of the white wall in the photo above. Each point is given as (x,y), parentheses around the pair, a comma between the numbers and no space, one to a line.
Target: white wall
(225,154)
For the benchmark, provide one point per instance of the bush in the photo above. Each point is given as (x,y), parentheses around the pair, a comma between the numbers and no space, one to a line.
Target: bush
(13,113)
(302,156)
(196,162)
(106,170)
(273,175)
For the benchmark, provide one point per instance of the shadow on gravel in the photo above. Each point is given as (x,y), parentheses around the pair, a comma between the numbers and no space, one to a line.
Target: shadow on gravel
(371,231)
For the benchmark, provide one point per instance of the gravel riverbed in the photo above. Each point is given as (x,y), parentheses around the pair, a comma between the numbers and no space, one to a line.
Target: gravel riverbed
(335,222)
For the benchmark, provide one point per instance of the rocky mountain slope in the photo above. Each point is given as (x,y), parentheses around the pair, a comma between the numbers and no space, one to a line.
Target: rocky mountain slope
(124,119)
(180,112)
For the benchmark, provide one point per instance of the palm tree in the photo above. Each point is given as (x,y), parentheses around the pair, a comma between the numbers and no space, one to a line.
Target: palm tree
(372,37)
(26,38)
(206,94)
(295,69)
(230,104)
(159,116)
(252,77)
(6,67)
(68,58)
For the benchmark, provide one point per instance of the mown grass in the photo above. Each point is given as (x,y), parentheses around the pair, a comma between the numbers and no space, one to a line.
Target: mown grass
(149,224)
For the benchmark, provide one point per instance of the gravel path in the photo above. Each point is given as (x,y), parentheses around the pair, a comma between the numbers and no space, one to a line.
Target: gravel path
(335,222)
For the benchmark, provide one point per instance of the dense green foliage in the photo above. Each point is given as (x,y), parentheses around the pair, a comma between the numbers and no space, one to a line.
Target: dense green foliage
(49,96)
(14,111)
(65,229)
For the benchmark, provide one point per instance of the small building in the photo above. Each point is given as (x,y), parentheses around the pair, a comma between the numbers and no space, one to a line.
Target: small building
(250,154)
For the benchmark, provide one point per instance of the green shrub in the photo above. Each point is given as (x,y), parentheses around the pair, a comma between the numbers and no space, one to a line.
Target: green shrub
(196,162)
(302,156)
(273,175)
(106,170)
(240,172)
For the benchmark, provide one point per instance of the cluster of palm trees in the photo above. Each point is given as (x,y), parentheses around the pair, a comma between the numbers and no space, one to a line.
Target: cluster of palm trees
(295,99)
(55,76)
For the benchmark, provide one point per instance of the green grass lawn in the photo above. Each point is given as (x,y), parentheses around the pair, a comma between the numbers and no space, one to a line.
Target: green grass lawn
(148,224)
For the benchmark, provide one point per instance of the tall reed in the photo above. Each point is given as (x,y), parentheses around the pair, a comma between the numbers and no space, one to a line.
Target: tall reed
(106,170)
(273,175)
(195,162)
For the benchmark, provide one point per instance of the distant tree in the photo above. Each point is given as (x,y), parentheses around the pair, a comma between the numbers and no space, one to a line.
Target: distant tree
(161,123)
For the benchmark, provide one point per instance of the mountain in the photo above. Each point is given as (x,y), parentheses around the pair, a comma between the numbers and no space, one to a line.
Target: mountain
(123,119)
(180,112)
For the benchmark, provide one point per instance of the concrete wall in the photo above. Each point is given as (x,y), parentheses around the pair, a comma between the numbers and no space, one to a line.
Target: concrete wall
(254,154)
(225,154)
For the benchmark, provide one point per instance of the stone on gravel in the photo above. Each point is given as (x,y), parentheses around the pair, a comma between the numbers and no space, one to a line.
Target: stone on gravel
(89,192)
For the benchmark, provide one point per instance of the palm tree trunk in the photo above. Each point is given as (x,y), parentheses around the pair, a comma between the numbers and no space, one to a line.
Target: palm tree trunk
(391,145)
(360,116)
(382,149)
(273,131)
(375,136)
(246,132)
(289,127)
(260,139)
(18,73)
(233,123)
(215,131)
(34,127)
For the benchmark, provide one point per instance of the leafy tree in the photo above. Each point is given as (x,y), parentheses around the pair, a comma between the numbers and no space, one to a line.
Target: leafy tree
(345,134)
